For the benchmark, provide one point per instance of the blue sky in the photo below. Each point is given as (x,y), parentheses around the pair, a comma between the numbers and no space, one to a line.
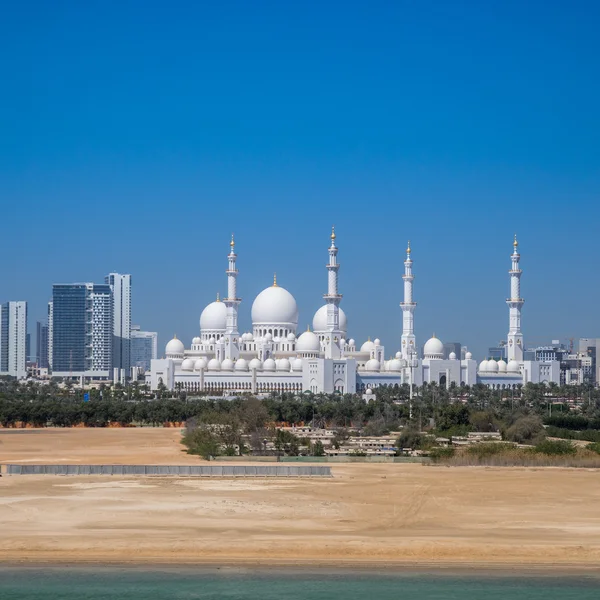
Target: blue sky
(136,136)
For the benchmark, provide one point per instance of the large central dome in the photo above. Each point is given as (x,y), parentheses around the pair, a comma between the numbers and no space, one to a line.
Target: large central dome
(275,306)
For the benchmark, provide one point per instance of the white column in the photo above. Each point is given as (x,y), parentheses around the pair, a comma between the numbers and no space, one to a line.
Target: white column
(333,298)
(409,344)
(515,302)
(232,302)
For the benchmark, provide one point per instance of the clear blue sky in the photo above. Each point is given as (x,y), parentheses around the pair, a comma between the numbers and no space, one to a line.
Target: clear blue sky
(136,136)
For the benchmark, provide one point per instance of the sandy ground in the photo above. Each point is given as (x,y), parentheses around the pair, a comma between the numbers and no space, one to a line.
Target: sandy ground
(367,513)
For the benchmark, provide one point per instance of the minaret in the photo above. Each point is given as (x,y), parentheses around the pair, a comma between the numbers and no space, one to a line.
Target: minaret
(334,335)
(409,345)
(232,349)
(515,302)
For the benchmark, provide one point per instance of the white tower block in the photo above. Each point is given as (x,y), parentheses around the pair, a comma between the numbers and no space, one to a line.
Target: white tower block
(409,344)
(232,349)
(334,335)
(515,302)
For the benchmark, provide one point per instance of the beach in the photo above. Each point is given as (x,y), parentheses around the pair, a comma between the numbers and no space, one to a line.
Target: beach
(367,514)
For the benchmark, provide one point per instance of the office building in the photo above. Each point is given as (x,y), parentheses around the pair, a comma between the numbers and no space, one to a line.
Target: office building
(13,339)
(82,330)
(591,347)
(50,331)
(450,347)
(41,345)
(144,347)
(120,286)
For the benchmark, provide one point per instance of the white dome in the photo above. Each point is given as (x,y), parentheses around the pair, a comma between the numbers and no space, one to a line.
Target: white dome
(373,365)
(343,343)
(320,320)
(297,364)
(187,364)
(255,363)
(227,365)
(398,355)
(452,356)
(308,342)
(269,365)
(369,391)
(275,306)
(483,366)
(468,356)
(367,346)
(291,337)
(513,366)
(200,364)
(377,342)
(174,347)
(492,366)
(214,365)
(214,317)
(241,364)
(196,340)
(351,342)
(284,365)
(268,337)
(395,365)
(434,348)
(502,366)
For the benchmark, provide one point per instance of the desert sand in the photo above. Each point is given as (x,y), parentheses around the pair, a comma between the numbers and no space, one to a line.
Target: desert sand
(368,513)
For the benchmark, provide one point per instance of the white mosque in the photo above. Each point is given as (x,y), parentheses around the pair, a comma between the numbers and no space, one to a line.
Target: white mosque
(274,358)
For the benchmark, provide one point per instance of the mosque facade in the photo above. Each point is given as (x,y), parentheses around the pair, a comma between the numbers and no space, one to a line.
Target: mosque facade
(273,357)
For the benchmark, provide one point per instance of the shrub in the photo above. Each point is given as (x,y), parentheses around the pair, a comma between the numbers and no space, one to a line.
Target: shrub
(595,447)
(556,448)
(441,454)
(526,429)
(489,449)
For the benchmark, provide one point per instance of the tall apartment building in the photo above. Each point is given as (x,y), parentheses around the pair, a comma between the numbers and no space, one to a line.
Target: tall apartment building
(41,345)
(121,291)
(50,332)
(591,347)
(144,347)
(13,339)
(82,330)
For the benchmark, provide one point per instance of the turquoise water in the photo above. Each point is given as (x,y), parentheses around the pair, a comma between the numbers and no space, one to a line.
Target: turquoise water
(99,583)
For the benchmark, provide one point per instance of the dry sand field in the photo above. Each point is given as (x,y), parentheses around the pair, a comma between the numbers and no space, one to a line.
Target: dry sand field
(368,513)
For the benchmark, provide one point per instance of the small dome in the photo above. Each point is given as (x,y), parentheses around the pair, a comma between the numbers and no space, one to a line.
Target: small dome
(377,342)
(433,348)
(342,342)
(502,366)
(196,340)
(255,363)
(268,337)
(291,337)
(395,365)
(452,356)
(513,367)
(174,347)
(492,366)
(187,364)
(369,391)
(297,364)
(200,364)
(398,355)
(241,364)
(284,365)
(214,365)
(468,356)
(308,342)
(214,317)
(269,365)
(367,346)
(275,305)
(351,342)
(227,365)
(483,366)
(373,365)
(320,320)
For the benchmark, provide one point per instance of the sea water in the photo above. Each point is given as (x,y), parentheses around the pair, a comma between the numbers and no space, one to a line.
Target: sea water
(100,583)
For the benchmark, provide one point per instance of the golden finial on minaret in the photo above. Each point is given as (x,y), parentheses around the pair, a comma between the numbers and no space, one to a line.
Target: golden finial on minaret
(332,232)
(408,248)
(232,242)
(515,243)
(274,279)
(218,297)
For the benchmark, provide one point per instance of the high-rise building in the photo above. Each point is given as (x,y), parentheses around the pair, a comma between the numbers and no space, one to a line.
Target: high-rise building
(50,332)
(121,291)
(82,330)
(13,339)
(450,347)
(144,347)
(41,345)
(591,347)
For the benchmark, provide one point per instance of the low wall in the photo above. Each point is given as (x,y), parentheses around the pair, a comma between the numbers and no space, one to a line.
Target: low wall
(186,471)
